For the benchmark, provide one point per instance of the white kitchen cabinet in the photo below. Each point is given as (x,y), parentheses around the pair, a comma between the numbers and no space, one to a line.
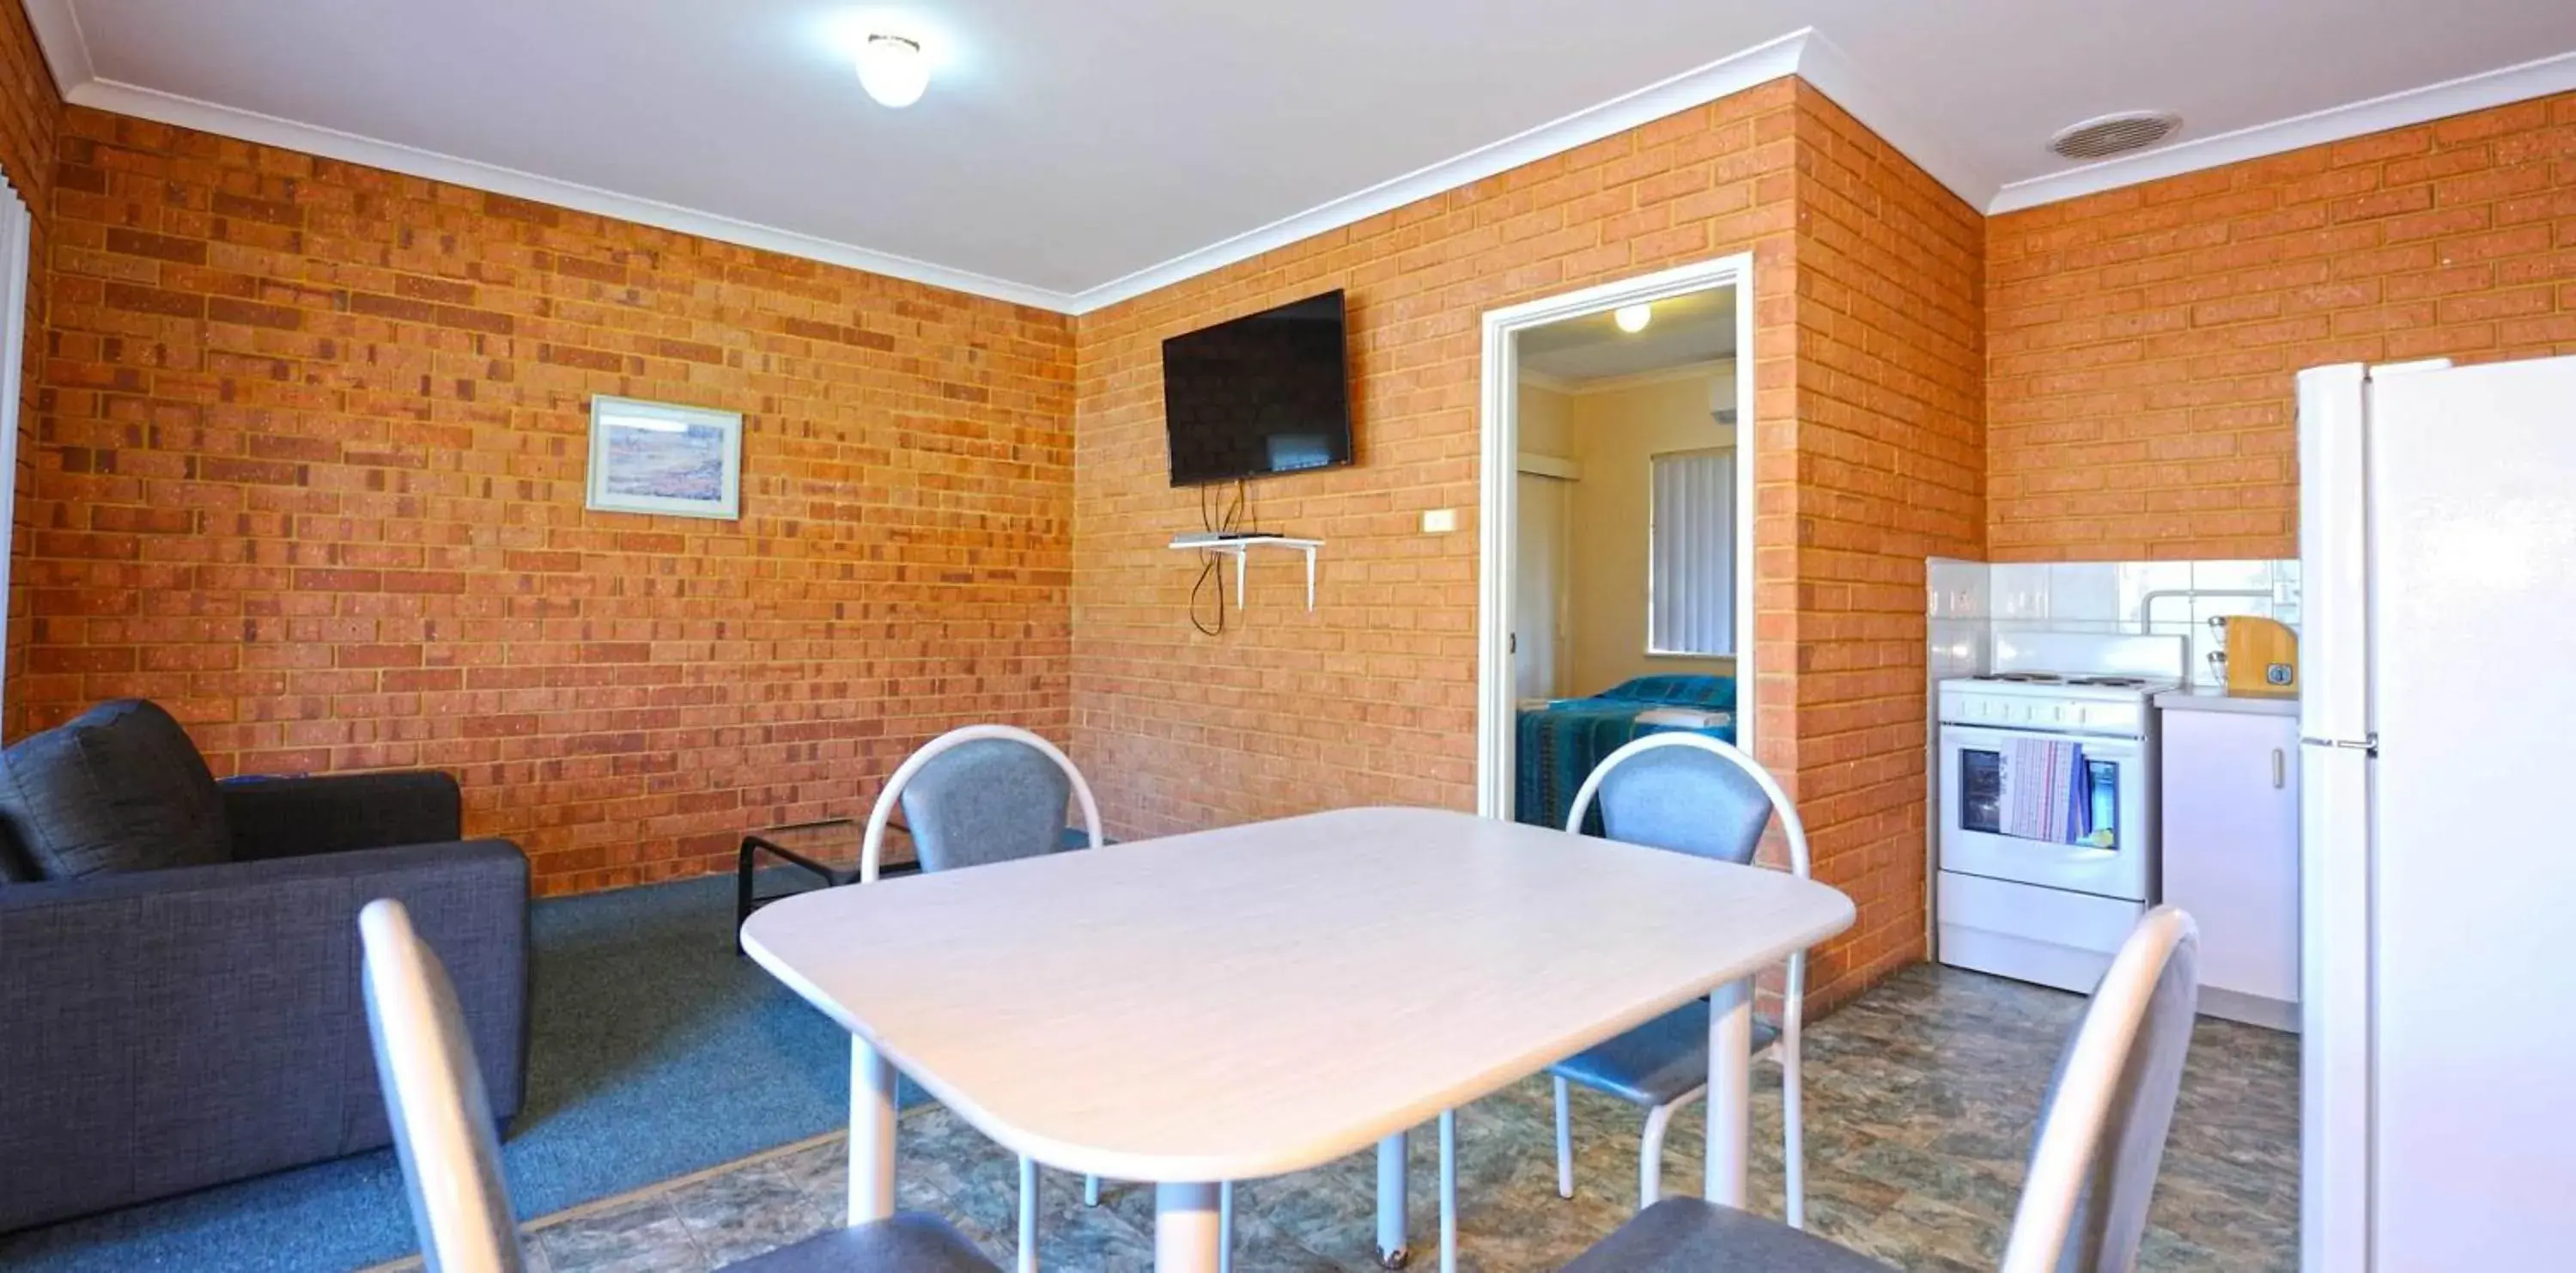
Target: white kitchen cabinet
(2230,835)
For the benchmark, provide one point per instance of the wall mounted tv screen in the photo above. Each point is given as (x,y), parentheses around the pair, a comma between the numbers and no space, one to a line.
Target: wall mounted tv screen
(1265,393)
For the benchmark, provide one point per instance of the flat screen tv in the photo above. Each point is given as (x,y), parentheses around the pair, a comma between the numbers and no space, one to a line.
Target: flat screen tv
(1265,393)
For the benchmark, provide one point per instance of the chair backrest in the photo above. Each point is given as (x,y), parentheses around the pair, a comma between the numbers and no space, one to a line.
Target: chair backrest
(2102,1130)
(983,793)
(442,1123)
(1692,794)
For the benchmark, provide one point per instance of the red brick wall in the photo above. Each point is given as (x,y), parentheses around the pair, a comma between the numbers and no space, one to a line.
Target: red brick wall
(2143,341)
(310,471)
(308,466)
(1371,698)
(30,113)
(1889,439)
(1868,365)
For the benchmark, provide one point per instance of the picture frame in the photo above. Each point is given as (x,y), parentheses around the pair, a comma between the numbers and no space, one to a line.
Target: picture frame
(663,458)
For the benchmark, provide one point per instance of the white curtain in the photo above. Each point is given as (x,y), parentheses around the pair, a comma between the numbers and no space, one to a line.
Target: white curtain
(1691,554)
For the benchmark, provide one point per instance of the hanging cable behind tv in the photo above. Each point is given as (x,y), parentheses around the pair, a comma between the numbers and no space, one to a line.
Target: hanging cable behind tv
(1220,528)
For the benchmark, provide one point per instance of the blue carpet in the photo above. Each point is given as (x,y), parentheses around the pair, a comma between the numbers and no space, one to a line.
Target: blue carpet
(656,1052)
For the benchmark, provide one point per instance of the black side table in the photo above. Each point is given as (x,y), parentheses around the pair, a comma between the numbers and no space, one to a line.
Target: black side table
(811,847)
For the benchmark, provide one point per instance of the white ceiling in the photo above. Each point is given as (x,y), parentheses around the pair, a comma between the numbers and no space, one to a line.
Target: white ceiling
(1695,327)
(1069,155)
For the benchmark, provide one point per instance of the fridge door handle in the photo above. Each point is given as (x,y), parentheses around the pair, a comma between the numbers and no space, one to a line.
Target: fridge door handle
(2367,744)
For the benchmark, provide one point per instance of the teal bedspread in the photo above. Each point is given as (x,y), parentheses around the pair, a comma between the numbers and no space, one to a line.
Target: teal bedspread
(1560,744)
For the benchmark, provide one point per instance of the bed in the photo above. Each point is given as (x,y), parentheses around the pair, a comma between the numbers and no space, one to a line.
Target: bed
(1561,741)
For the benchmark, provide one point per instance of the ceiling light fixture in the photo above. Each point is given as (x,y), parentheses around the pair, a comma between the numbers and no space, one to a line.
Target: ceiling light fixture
(1632,319)
(894,70)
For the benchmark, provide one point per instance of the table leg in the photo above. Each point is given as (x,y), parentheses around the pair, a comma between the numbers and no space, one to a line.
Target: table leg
(1730,1090)
(1187,1229)
(872,1085)
(1391,1156)
(1448,1191)
(741,893)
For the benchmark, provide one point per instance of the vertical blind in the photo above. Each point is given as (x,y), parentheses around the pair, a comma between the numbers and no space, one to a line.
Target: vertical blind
(1690,603)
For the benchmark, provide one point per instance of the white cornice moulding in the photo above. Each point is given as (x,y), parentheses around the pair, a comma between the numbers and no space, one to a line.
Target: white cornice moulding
(1726,76)
(1830,71)
(1804,52)
(2540,78)
(269,130)
(66,48)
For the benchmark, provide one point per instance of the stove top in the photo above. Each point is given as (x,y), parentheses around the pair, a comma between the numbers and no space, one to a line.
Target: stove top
(2091,687)
(2072,678)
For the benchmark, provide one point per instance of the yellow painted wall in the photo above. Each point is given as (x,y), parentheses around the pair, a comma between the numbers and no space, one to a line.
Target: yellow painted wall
(1544,416)
(1614,434)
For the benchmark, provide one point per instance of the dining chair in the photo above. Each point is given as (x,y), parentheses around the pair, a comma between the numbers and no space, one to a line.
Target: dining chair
(451,1158)
(977,795)
(1693,794)
(2092,1167)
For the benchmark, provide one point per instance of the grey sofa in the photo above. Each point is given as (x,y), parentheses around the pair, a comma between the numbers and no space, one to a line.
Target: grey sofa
(172,1018)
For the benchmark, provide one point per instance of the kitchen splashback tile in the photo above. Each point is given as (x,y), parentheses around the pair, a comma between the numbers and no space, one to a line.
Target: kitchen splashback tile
(2150,591)
(2084,591)
(2003,600)
(2208,576)
(2020,591)
(1958,647)
(1959,589)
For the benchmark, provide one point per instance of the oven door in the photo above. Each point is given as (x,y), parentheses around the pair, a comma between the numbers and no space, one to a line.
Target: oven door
(2119,863)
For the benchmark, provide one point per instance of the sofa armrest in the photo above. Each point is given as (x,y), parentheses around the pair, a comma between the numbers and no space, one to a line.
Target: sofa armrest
(165,1030)
(297,817)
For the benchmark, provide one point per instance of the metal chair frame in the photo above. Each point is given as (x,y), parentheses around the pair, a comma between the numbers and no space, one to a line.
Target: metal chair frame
(1650,1154)
(872,847)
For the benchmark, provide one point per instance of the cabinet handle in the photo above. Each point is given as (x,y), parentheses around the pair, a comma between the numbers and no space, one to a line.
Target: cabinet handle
(2280,769)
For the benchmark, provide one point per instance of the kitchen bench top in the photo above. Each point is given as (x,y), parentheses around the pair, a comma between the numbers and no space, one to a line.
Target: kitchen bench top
(2219,700)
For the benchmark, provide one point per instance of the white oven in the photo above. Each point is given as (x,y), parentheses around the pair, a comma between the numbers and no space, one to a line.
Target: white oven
(2039,909)
(2118,784)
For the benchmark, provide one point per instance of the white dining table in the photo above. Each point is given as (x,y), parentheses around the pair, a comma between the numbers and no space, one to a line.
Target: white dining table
(1240,1003)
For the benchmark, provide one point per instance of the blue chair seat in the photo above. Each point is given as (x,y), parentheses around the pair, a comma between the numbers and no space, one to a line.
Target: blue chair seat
(1657,1062)
(906,1242)
(1686,1235)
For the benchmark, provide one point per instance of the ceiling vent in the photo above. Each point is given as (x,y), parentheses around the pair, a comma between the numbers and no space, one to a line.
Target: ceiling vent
(2108,135)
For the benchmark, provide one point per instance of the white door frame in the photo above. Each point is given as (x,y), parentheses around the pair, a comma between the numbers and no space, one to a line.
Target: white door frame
(16,265)
(1498,499)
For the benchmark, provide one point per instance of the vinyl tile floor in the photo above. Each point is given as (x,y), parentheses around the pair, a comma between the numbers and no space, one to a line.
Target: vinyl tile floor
(1921,1097)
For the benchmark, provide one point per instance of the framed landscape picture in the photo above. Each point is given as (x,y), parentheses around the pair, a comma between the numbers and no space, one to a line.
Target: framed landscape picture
(652,457)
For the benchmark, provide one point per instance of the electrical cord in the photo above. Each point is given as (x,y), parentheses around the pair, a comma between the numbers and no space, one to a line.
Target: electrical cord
(1213,570)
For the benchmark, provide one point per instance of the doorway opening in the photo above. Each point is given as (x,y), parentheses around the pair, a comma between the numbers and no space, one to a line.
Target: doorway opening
(1616,558)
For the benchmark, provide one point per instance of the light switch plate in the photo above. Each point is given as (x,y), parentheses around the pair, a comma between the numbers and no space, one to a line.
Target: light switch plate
(1439,521)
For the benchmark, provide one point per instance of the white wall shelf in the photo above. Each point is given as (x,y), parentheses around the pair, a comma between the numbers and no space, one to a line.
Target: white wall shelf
(1240,549)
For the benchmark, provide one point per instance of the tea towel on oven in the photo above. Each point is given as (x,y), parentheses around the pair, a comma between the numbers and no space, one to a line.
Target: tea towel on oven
(2046,795)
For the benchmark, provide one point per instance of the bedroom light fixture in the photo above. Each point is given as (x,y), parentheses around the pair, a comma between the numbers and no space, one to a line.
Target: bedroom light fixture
(893,69)
(1632,319)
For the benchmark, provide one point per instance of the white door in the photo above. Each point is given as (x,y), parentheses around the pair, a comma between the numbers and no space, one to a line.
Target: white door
(2472,530)
(2334,822)
(1538,619)
(2230,840)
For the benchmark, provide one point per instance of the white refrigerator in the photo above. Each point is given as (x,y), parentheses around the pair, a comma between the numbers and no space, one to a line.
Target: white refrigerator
(2437,541)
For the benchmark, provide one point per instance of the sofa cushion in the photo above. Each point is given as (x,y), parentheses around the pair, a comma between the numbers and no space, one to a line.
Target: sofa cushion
(117,788)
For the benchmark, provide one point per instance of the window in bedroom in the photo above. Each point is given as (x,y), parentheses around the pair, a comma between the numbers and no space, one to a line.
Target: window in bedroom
(1690,599)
